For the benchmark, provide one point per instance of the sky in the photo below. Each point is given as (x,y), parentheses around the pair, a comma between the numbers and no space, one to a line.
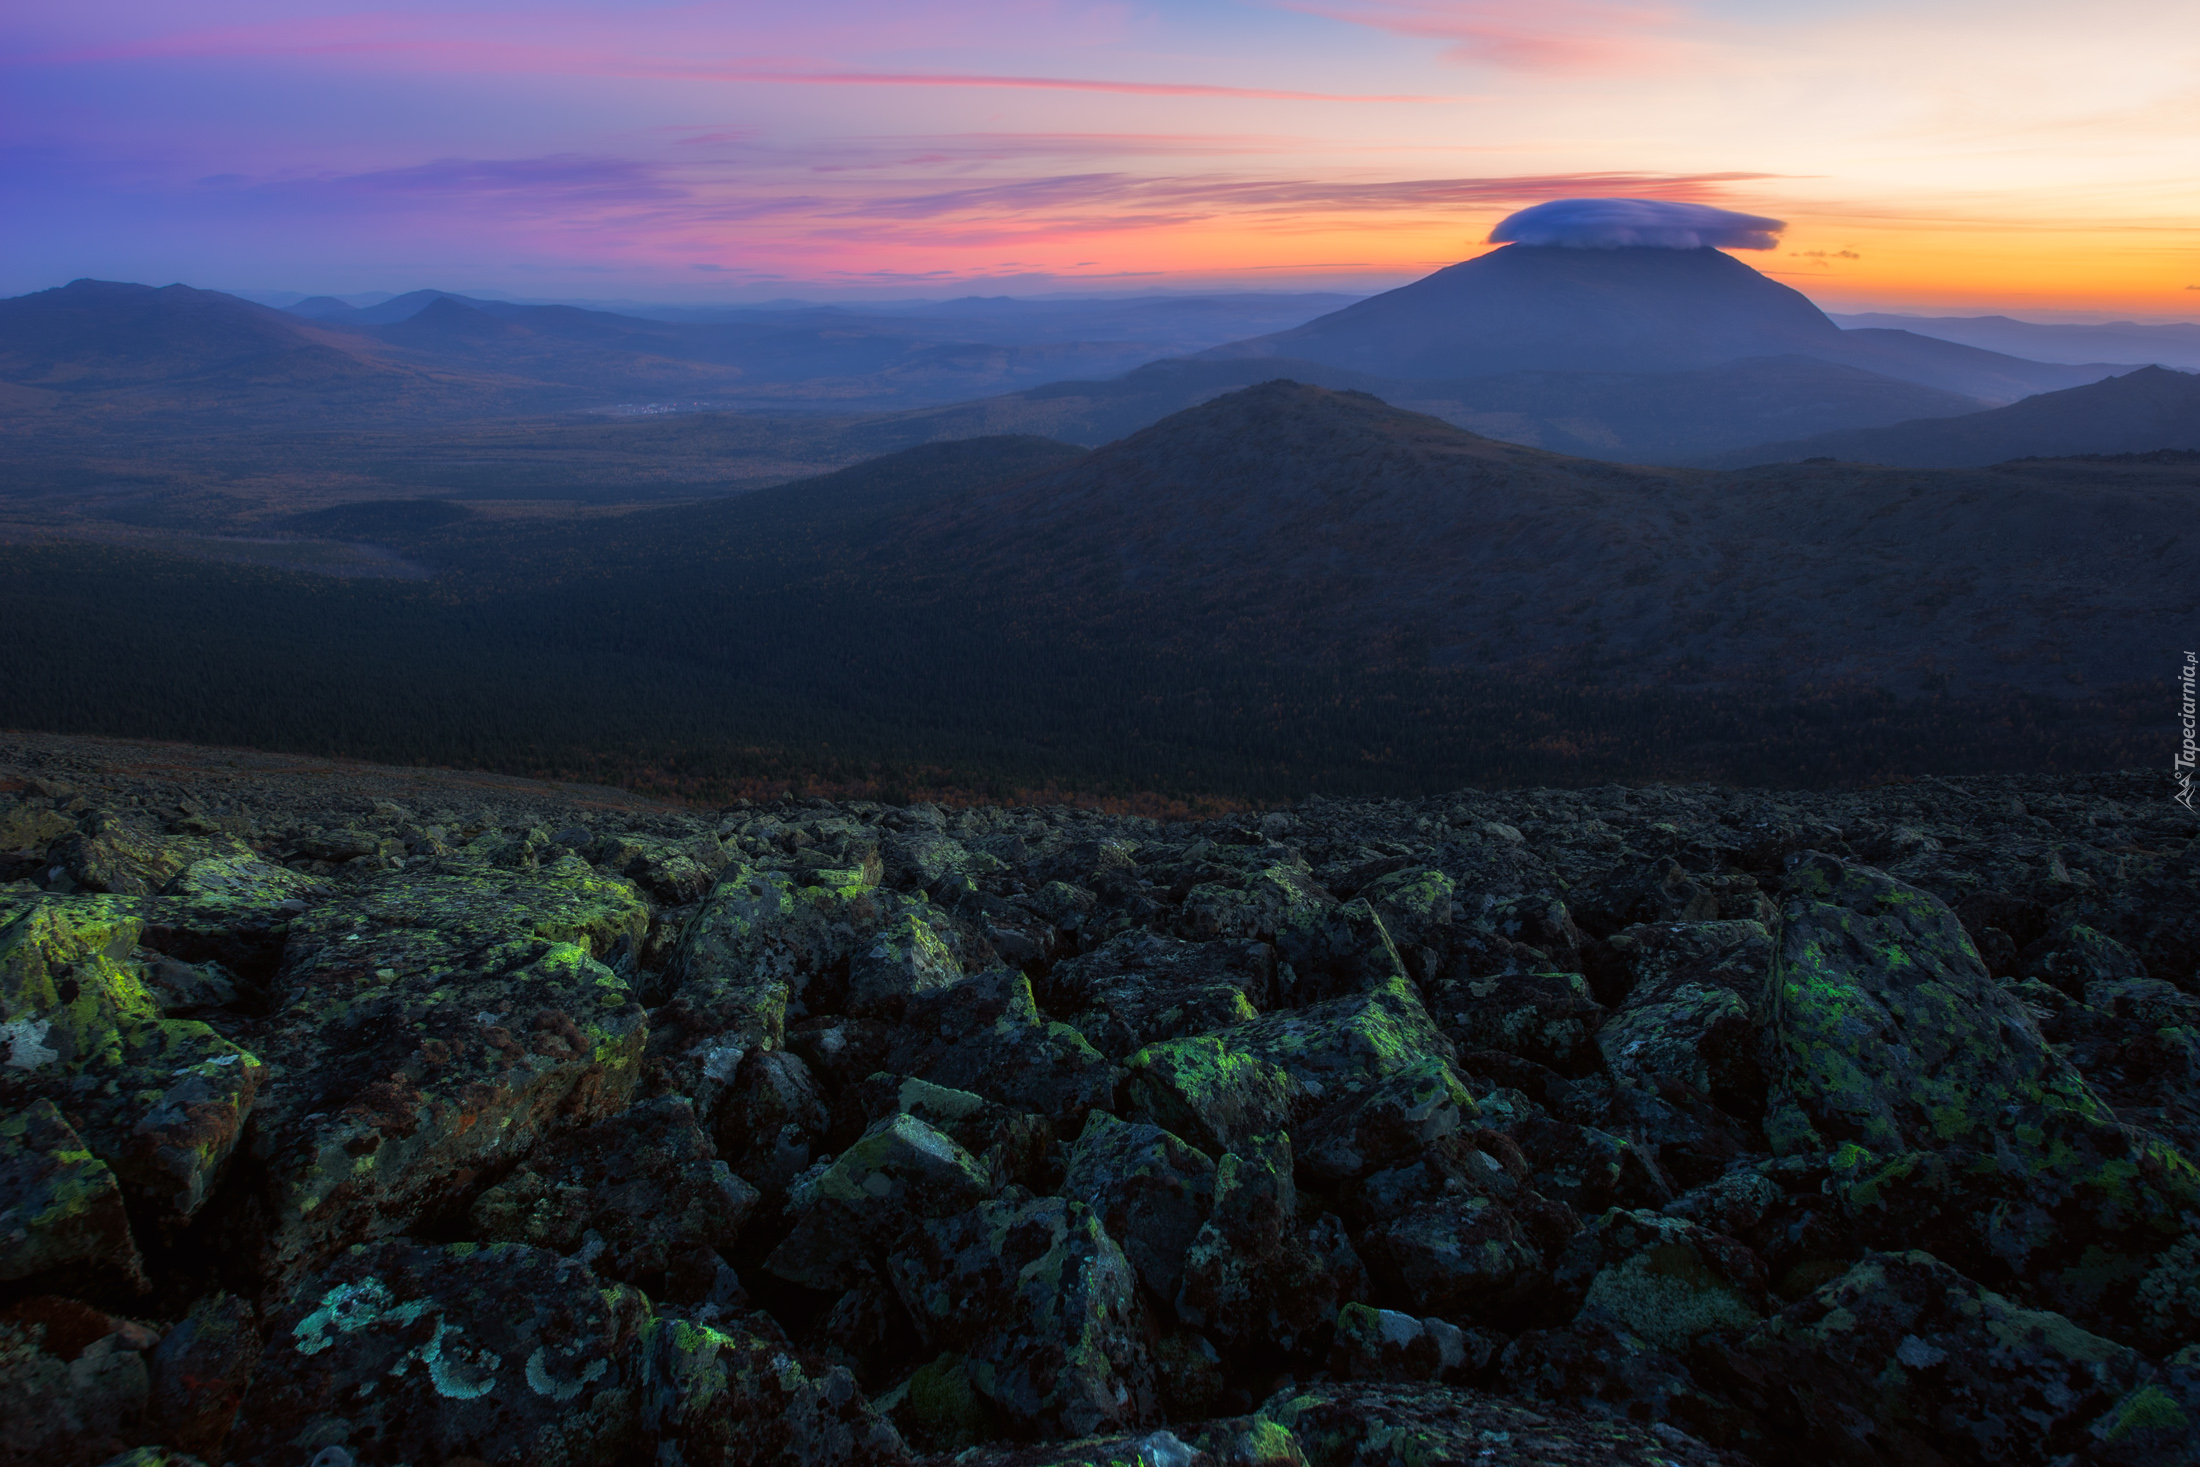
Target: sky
(2029,156)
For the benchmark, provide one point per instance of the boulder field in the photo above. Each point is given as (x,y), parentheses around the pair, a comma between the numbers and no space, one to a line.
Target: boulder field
(507,1124)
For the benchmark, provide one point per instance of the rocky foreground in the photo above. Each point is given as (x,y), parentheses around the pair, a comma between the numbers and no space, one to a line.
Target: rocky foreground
(356,1117)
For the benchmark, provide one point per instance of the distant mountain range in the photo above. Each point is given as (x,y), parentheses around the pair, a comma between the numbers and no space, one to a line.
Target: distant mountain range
(1635,355)
(2140,412)
(1550,308)
(135,350)
(2170,344)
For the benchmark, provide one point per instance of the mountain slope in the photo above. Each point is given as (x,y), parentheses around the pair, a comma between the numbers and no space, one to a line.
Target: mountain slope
(1293,521)
(1537,308)
(2138,412)
(1529,308)
(1641,417)
(107,347)
(2170,344)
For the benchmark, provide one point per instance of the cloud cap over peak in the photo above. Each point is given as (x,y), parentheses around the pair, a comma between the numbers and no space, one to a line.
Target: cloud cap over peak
(1611,224)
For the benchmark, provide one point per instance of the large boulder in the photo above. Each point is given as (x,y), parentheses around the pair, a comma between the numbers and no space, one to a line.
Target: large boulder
(1256,1280)
(232,907)
(424,1354)
(1401,1116)
(1043,1308)
(1141,988)
(63,1224)
(773,1125)
(899,1173)
(1337,950)
(200,1371)
(1389,1344)
(1948,1116)
(729,1397)
(1013,1145)
(1694,1007)
(1903,1359)
(161,1101)
(73,1384)
(1150,1190)
(1213,1095)
(905,955)
(641,1197)
(987,1035)
(1374,1424)
(1344,1047)
(1662,1278)
(435,1026)
(760,945)
(1538,1014)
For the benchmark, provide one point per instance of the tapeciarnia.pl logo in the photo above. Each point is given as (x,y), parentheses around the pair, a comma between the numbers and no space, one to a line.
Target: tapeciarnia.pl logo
(2187,751)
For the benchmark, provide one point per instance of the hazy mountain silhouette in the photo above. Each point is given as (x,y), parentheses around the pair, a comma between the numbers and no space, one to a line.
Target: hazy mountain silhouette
(1646,417)
(2169,344)
(1292,520)
(1548,308)
(2139,412)
(122,352)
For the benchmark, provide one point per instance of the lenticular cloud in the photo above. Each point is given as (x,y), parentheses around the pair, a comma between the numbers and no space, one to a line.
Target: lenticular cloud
(1662,224)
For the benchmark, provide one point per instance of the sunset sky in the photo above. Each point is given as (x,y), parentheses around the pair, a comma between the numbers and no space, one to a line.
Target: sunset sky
(2029,156)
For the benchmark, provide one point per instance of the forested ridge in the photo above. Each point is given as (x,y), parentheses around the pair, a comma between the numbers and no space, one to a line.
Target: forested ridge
(791,639)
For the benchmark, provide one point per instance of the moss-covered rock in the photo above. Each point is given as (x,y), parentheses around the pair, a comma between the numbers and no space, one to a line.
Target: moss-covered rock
(675,872)
(2137,1043)
(160,1101)
(1013,1145)
(1375,1424)
(123,854)
(1461,1254)
(1256,1280)
(1662,1278)
(1151,1191)
(904,956)
(420,1353)
(1043,1307)
(1213,1095)
(1346,1046)
(1275,892)
(1335,951)
(1694,1007)
(435,1026)
(986,1035)
(641,1197)
(62,1220)
(1415,906)
(1388,1344)
(234,908)
(900,1172)
(1948,1115)
(1142,988)
(27,825)
(773,1124)
(1598,1366)
(729,1397)
(1401,1116)
(939,1410)
(1544,1016)
(427,1353)
(1904,1359)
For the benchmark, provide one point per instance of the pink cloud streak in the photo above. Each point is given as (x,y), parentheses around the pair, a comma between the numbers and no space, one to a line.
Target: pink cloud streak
(459,54)
(1547,35)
